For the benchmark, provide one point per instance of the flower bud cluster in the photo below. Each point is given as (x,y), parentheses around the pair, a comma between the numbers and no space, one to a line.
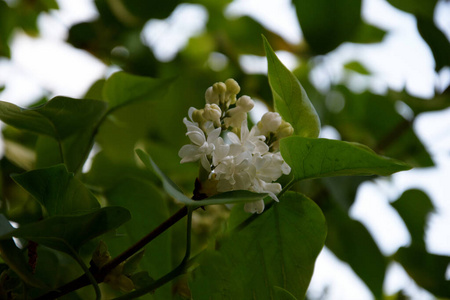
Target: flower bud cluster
(234,157)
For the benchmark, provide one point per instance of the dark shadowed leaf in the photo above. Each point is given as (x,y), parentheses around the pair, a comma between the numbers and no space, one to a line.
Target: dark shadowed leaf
(414,207)
(289,97)
(14,257)
(57,190)
(326,24)
(436,39)
(428,270)
(148,210)
(352,243)
(313,158)
(58,118)
(65,233)
(278,249)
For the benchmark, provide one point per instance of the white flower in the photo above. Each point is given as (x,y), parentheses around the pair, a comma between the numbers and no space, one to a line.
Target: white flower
(270,122)
(212,113)
(201,146)
(234,173)
(239,113)
(248,141)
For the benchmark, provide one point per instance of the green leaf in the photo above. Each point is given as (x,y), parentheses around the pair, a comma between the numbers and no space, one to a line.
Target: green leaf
(122,88)
(58,118)
(14,257)
(57,190)
(290,99)
(436,39)
(314,158)
(414,206)
(351,242)
(356,67)
(416,7)
(326,24)
(65,233)
(174,191)
(428,270)
(277,249)
(149,209)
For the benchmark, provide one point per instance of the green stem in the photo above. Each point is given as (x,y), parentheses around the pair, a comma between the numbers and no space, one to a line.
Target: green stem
(179,270)
(93,281)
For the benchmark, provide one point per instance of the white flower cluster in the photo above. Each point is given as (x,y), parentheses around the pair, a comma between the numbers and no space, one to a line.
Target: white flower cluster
(234,157)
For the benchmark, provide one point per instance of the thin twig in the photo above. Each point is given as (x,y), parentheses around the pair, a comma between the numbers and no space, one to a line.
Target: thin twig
(99,274)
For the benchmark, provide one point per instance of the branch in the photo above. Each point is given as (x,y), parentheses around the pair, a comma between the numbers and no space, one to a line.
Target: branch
(100,274)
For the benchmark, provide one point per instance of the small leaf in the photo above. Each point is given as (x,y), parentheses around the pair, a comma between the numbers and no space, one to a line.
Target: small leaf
(121,89)
(314,158)
(414,206)
(57,190)
(174,191)
(277,249)
(356,67)
(14,257)
(290,99)
(64,233)
(58,118)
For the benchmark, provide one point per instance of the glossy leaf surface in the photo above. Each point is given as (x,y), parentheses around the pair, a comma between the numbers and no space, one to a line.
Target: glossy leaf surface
(289,97)
(313,158)
(277,249)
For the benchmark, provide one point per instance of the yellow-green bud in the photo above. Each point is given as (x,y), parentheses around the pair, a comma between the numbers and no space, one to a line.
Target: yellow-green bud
(197,116)
(284,130)
(212,112)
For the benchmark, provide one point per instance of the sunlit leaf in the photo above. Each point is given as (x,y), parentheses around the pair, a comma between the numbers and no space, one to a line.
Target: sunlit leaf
(278,249)
(64,233)
(57,190)
(58,118)
(289,97)
(174,191)
(356,67)
(313,158)
(122,88)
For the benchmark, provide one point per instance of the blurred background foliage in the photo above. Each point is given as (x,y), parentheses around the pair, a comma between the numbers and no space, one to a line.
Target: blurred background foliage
(214,54)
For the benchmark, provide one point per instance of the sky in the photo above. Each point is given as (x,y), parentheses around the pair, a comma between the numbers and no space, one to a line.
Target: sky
(402,60)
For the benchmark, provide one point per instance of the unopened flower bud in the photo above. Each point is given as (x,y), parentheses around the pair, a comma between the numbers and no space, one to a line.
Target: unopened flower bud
(197,116)
(212,113)
(284,130)
(245,103)
(233,89)
(270,122)
(211,97)
(232,86)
